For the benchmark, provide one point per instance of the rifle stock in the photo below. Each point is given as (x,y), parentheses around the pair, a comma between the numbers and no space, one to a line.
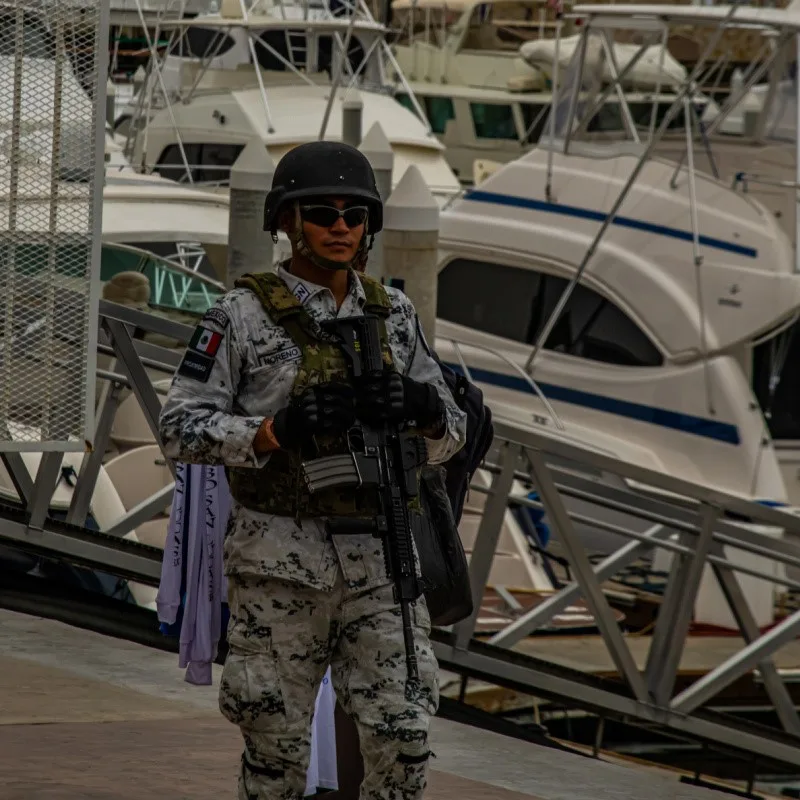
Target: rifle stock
(384,459)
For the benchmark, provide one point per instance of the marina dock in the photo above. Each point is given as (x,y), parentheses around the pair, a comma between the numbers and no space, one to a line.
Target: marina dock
(89,717)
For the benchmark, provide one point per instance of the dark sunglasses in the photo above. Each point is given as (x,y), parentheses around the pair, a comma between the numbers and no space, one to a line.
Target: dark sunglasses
(327,216)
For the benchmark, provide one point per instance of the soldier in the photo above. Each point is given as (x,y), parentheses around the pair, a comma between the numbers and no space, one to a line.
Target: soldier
(257,382)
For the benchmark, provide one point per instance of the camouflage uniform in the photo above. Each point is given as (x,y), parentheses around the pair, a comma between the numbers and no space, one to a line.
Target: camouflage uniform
(301,600)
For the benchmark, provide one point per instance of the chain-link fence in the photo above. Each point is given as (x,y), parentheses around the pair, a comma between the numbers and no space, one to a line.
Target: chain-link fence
(53,57)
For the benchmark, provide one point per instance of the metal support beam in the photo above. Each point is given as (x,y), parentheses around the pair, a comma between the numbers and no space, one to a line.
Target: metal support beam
(555,604)
(46,478)
(687,494)
(675,614)
(143,512)
(92,549)
(148,322)
(737,665)
(740,608)
(483,550)
(582,568)
(561,685)
(92,462)
(140,382)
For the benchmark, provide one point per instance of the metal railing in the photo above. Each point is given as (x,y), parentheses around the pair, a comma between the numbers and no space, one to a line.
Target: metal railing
(700,526)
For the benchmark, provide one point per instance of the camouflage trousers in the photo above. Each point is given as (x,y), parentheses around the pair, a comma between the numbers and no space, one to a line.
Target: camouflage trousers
(282,637)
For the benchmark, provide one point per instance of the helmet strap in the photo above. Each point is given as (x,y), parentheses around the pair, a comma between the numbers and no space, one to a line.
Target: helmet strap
(358,261)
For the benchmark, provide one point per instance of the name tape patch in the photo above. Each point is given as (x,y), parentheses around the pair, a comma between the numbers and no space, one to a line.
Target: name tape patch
(287,354)
(196,365)
(301,293)
(205,341)
(218,316)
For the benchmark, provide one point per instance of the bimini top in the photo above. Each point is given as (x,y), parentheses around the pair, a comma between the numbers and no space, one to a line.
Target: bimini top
(744,16)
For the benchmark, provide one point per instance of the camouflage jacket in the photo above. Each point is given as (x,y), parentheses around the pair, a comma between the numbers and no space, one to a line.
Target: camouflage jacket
(238,370)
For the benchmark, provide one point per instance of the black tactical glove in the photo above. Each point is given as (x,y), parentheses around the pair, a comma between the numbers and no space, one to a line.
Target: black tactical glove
(324,408)
(392,397)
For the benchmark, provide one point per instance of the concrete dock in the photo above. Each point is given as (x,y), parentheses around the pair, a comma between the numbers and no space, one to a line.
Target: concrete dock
(88,717)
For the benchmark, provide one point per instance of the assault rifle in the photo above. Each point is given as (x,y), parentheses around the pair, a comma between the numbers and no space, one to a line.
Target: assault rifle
(384,460)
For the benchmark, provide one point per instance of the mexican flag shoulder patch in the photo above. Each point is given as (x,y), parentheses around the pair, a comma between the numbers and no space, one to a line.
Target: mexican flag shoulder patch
(205,341)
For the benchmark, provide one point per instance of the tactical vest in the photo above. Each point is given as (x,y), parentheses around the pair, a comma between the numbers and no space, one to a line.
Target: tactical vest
(279,487)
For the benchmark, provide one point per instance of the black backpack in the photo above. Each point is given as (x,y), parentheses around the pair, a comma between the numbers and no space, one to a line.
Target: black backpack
(480,434)
(443,562)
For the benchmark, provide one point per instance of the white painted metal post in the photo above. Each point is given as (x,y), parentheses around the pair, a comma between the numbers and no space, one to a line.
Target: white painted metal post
(249,245)
(375,146)
(352,112)
(411,244)
(111,102)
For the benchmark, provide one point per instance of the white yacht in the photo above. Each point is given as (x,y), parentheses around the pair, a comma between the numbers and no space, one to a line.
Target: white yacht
(277,73)
(674,350)
(651,359)
(483,71)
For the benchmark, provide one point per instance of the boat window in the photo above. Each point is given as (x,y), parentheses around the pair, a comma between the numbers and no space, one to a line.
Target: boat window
(515,303)
(493,121)
(439,110)
(209,163)
(169,288)
(405,100)
(776,382)
(535,117)
(291,45)
(37,41)
(202,43)
(607,119)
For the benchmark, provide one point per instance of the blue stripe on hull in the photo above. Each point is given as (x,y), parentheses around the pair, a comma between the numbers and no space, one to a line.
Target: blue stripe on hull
(598,216)
(686,423)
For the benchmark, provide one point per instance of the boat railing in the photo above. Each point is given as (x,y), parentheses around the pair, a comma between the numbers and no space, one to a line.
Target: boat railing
(458,344)
(346,76)
(742,180)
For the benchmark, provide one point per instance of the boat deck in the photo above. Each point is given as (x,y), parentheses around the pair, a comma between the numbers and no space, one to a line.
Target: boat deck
(91,717)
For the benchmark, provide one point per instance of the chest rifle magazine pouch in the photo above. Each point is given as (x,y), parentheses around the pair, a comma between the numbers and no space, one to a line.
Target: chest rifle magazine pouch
(443,562)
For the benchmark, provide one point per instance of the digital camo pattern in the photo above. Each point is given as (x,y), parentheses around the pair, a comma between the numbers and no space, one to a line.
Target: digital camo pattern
(321,361)
(282,637)
(214,419)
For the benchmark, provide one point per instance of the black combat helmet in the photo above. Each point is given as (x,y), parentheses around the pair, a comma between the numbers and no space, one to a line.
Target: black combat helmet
(316,169)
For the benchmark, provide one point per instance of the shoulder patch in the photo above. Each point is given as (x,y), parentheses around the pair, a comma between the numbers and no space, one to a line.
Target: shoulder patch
(196,365)
(301,293)
(205,341)
(217,316)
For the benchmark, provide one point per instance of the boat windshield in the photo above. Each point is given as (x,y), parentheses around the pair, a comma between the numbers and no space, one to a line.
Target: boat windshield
(496,25)
(610,72)
(179,274)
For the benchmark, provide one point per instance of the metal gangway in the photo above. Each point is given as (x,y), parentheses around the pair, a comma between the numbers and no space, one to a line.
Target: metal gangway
(699,526)
(56,331)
